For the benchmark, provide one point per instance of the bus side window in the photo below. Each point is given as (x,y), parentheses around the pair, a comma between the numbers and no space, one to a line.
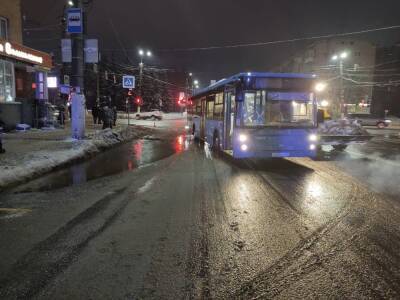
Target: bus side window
(210,110)
(219,106)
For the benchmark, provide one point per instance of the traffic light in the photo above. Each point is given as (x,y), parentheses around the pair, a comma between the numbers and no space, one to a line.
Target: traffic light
(139,101)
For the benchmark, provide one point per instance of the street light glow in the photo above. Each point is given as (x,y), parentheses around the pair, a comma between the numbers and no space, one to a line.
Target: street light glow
(149,54)
(324,103)
(320,87)
(190,74)
(141,52)
(335,57)
(70,3)
(344,55)
(196,82)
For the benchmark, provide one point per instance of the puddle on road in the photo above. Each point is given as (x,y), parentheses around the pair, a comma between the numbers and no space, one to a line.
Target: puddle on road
(123,158)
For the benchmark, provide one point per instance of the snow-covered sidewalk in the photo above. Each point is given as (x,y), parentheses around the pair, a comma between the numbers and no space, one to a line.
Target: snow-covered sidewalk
(29,154)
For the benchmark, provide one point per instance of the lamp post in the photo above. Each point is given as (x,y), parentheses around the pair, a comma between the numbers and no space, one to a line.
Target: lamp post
(195,85)
(142,54)
(340,58)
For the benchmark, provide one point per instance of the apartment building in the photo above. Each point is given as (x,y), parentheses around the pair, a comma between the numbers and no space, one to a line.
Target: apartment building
(357,69)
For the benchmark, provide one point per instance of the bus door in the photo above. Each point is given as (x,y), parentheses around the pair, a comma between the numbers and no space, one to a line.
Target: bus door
(203,118)
(229,117)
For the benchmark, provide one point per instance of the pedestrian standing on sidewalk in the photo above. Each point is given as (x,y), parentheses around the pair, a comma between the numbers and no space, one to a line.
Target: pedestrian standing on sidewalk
(107,117)
(61,115)
(95,113)
(115,115)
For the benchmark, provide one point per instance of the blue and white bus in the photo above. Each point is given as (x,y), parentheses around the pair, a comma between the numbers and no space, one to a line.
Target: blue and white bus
(260,115)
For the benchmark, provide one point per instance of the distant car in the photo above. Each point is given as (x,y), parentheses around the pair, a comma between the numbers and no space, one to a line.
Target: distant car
(154,114)
(370,120)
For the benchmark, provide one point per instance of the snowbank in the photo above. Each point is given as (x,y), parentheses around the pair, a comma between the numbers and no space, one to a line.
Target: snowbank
(342,127)
(38,163)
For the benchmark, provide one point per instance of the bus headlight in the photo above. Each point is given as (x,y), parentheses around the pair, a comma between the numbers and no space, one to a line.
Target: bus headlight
(313,137)
(244,147)
(313,147)
(242,138)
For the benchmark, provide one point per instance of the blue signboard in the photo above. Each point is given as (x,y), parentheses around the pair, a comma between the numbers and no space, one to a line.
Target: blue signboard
(74,20)
(128,82)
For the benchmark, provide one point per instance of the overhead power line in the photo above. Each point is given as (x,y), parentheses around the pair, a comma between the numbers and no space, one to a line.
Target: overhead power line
(257,44)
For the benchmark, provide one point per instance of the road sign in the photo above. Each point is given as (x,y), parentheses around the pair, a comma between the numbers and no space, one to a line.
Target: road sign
(66,50)
(128,82)
(91,51)
(74,20)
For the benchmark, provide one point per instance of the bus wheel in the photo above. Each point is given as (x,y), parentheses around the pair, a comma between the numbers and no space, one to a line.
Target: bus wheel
(216,147)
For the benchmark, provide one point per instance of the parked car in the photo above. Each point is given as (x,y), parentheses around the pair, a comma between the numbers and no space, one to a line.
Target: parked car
(370,120)
(154,114)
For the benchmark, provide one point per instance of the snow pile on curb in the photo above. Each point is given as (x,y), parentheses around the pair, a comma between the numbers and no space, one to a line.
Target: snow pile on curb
(341,127)
(41,162)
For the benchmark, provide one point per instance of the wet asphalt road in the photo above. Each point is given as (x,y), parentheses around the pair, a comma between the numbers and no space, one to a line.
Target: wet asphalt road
(197,226)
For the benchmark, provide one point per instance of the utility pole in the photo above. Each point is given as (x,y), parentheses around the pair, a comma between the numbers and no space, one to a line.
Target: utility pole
(78,63)
(77,30)
(342,108)
(341,57)
(140,83)
(97,71)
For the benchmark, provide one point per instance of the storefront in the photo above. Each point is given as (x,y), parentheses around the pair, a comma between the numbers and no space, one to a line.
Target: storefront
(23,83)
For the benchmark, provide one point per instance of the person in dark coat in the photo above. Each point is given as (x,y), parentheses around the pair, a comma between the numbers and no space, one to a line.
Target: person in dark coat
(114,115)
(61,115)
(108,117)
(70,110)
(95,113)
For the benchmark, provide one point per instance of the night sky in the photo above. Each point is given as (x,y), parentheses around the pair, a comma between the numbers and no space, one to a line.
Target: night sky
(172,24)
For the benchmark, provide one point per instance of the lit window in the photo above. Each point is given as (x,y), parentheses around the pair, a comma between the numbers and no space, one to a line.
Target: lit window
(7,84)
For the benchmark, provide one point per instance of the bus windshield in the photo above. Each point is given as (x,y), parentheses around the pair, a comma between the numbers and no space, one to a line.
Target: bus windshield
(262,108)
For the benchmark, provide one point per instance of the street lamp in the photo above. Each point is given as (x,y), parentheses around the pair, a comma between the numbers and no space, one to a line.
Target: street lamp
(196,82)
(71,3)
(190,74)
(324,103)
(320,87)
(341,57)
(142,53)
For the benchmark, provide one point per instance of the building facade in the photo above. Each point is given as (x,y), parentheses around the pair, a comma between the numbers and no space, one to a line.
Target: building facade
(23,71)
(387,81)
(352,79)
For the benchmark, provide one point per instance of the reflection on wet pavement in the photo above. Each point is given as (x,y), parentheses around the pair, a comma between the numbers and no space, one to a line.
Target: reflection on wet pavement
(126,157)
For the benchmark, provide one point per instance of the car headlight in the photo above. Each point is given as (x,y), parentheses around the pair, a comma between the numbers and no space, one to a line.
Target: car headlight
(244,147)
(242,138)
(313,137)
(388,121)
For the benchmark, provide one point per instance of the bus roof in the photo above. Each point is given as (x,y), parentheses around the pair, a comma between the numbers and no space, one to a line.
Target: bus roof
(237,77)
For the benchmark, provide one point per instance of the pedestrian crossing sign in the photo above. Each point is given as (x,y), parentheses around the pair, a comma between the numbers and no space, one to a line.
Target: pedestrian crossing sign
(128,82)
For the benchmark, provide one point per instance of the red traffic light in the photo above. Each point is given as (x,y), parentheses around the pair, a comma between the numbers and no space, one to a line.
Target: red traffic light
(138,101)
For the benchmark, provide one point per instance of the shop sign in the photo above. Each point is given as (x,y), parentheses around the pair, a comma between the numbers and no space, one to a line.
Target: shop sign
(20,52)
